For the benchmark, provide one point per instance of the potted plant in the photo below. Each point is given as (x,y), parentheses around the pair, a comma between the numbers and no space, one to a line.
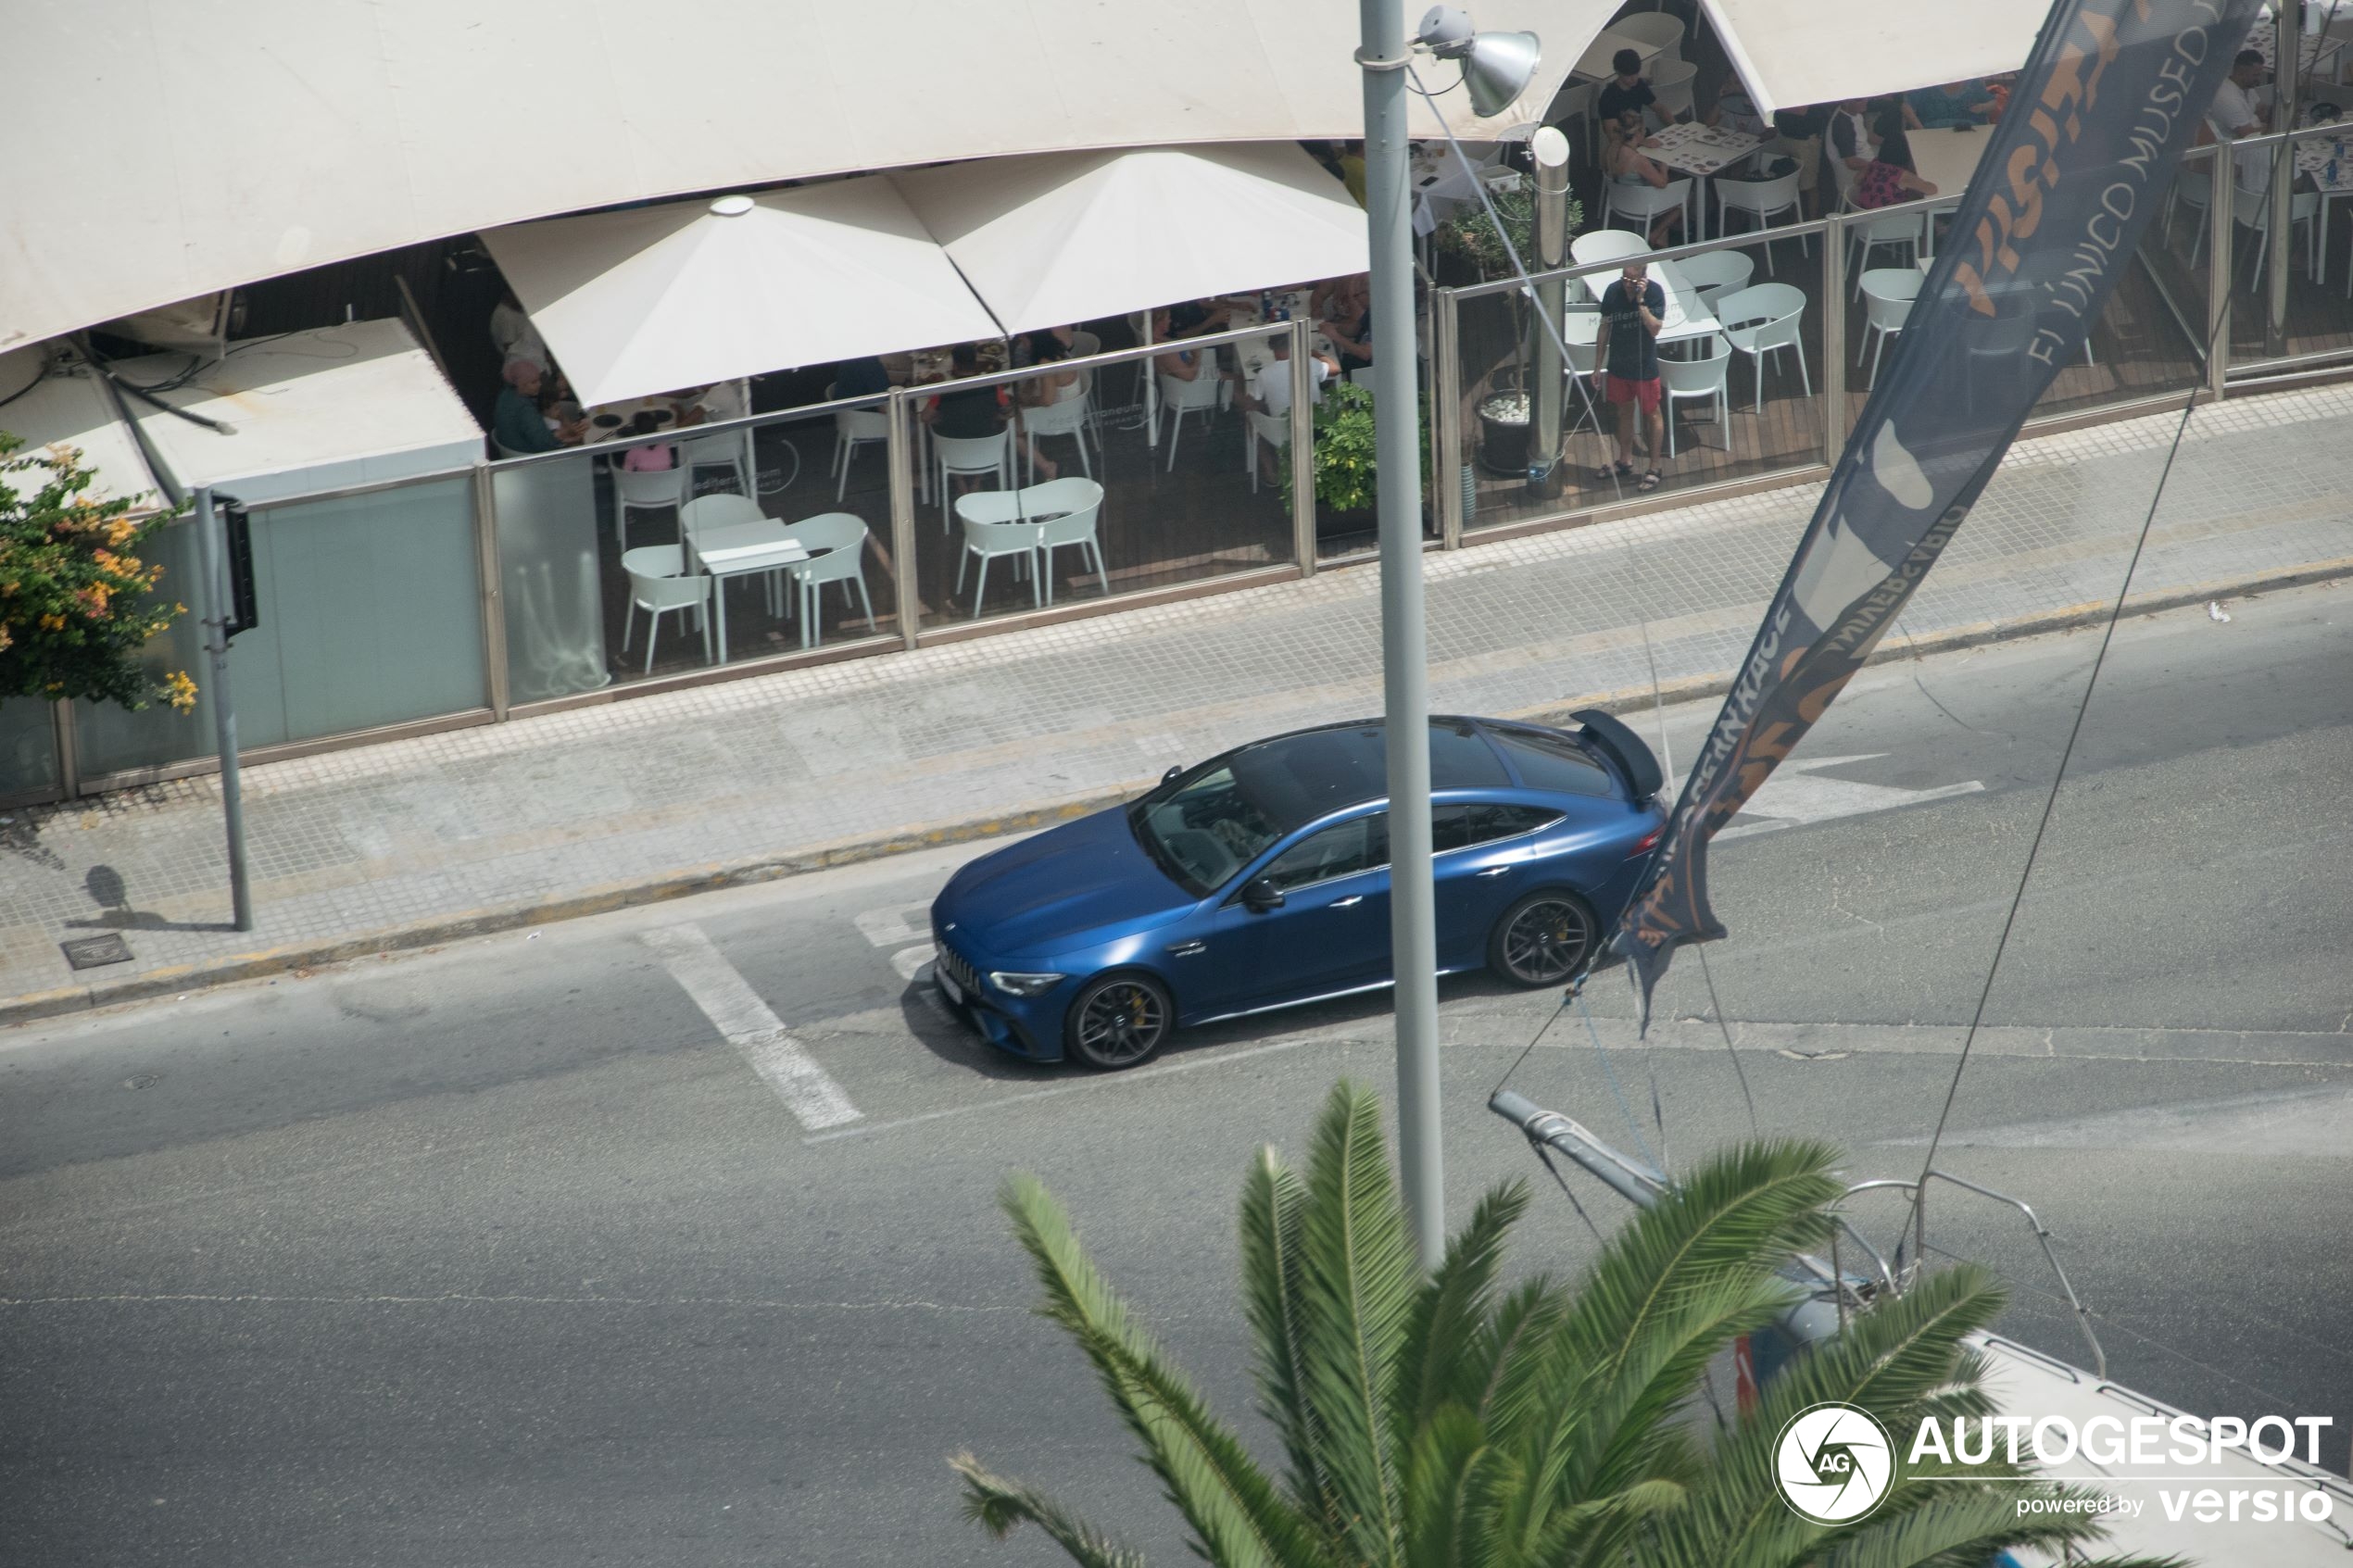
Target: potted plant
(1347,487)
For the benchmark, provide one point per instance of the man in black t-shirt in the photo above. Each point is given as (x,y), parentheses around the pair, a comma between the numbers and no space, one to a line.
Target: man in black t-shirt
(1626,91)
(1633,308)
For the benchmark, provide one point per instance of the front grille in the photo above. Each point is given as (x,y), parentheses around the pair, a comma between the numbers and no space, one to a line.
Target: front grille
(958,971)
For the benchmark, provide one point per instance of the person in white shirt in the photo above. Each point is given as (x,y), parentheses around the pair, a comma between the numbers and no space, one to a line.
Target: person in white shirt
(2234,113)
(1270,392)
(511,330)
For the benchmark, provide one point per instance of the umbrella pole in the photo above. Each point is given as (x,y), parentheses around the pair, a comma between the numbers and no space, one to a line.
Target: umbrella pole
(1151,403)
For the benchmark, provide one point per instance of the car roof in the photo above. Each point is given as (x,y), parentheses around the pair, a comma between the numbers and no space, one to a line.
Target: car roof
(1297,778)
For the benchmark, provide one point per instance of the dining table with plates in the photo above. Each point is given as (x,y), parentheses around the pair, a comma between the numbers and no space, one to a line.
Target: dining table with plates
(1703,152)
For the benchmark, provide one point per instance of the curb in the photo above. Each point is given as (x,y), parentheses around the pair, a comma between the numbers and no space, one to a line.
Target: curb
(715,876)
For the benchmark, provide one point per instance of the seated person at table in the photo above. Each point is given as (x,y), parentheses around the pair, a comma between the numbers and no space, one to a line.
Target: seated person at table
(1350,332)
(1954,102)
(1851,136)
(515,422)
(861,378)
(1801,131)
(654,458)
(1184,364)
(1270,392)
(1626,90)
(1624,163)
(2234,113)
(1051,385)
(719,401)
(1893,112)
(1328,298)
(967,413)
(1888,178)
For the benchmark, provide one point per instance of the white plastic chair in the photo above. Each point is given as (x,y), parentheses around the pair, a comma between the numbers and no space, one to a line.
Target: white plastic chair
(1199,396)
(660,592)
(1713,275)
(1272,429)
(1071,508)
(1656,28)
(644,490)
(1761,200)
(2192,187)
(837,546)
(970,454)
(729,449)
(2252,209)
(1582,335)
(1707,376)
(1645,203)
(1888,292)
(724,510)
(1671,81)
(991,540)
(1071,416)
(1762,321)
(1575,102)
(1599,246)
(1867,236)
(854,428)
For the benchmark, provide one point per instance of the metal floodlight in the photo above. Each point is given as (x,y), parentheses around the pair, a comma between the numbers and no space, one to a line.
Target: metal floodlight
(1497,66)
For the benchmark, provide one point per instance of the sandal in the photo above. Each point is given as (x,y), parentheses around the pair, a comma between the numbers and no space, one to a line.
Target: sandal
(1614,471)
(1651,481)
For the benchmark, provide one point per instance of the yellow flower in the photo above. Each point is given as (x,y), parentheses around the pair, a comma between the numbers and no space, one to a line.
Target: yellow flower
(5,638)
(53,623)
(180,691)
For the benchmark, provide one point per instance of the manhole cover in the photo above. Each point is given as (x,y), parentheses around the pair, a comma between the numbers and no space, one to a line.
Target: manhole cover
(94,952)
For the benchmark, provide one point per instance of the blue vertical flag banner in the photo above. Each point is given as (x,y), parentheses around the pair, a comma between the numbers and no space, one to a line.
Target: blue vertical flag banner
(2074,173)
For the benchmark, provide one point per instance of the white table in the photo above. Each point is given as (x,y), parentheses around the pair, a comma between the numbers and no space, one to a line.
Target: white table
(1948,158)
(2312,162)
(738,549)
(1700,151)
(1594,63)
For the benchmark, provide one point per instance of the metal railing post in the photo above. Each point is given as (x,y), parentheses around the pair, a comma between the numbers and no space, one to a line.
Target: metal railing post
(1446,416)
(2221,207)
(69,749)
(1836,404)
(902,448)
(1302,451)
(493,598)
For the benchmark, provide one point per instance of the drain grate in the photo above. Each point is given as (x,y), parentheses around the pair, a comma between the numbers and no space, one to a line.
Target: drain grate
(96,952)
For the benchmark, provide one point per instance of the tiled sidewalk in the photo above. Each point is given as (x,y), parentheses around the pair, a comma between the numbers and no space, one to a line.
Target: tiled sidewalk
(548,816)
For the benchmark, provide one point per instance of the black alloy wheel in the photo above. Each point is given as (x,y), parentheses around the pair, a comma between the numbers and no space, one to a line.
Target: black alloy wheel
(1542,939)
(1118,1020)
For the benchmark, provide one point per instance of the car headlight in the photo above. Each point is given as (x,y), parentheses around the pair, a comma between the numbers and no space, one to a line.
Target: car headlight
(1016,985)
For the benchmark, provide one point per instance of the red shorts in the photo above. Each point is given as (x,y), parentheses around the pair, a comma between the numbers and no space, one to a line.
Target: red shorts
(1617,389)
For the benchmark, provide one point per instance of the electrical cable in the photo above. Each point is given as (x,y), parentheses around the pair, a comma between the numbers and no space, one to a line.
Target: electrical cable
(1523,1055)
(1566,1191)
(1617,1094)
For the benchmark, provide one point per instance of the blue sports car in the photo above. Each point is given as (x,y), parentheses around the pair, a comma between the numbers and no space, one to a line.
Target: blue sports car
(1259,879)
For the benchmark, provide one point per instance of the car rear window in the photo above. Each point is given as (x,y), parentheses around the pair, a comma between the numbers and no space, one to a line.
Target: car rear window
(1298,777)
(1555,762)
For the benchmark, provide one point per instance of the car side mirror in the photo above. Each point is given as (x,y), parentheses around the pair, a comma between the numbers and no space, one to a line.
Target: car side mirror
(1262,896)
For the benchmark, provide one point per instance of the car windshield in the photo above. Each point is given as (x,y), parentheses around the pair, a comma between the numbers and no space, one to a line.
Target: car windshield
(1204,829)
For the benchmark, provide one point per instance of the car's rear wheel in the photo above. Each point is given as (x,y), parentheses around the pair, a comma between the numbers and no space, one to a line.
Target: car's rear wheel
(1119,1020)
(1542,939)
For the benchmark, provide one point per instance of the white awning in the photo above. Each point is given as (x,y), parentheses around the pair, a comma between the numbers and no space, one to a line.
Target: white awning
(328,129)
(681,295)
(1797,52)
(1066,238)
(314,410)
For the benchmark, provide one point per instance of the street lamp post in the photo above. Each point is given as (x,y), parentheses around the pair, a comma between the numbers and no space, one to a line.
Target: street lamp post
(1397,461)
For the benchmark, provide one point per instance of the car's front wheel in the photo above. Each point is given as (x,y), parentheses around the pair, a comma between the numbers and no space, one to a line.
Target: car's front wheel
(1542,939)
(1119,1020)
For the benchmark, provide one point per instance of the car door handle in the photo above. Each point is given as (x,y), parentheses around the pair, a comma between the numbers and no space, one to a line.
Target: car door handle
(1352,899)
(1495,870)
(1188,949)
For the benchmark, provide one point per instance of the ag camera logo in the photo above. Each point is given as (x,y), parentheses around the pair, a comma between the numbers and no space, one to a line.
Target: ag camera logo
(1834,1463)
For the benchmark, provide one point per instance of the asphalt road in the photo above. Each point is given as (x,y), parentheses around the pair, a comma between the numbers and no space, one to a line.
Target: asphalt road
(502,1254)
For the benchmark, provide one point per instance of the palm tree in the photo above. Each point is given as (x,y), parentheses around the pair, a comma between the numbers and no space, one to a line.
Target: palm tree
(1442,1420)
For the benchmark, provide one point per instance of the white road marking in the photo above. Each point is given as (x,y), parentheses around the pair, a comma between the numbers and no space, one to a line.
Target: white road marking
(910,961)
(1797,797)
(899,922)
(704,973)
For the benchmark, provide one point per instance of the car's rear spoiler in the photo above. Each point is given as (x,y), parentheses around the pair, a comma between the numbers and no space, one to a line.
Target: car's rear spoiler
(1625,747)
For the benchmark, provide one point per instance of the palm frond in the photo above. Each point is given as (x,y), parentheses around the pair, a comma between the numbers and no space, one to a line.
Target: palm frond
(1241,1520)
(1504,1371)
(997,1505)
(1442,1335)
(1356,1292)
(1273,1201)
(1957,1525)
(1451,1471)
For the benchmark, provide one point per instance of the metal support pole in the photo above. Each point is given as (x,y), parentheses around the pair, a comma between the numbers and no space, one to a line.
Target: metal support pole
(1837,401)
(1300,453)
(2288,17)
(1404,681)
(1549,148)
(2221,222)
(900,449)
(213,562)
(494,597)
(1446,414)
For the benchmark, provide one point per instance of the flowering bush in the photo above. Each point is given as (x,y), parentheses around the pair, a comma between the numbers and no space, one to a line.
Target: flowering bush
(76,603)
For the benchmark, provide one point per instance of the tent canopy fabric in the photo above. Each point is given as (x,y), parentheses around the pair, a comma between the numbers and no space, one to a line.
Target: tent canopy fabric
(331,129)
(312,410)
(657,299)
(1796,52)
(1065,237)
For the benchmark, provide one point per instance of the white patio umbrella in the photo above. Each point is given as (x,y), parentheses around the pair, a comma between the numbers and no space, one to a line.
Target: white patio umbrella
(1065,237)
(685,294)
